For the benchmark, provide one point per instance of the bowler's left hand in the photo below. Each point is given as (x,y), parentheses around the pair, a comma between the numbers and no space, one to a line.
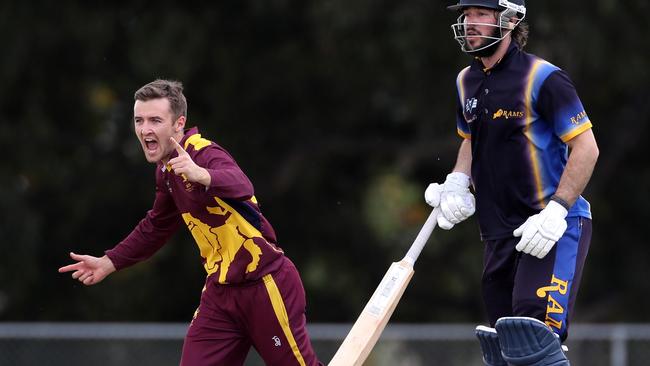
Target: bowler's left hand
(541,231)
(184,166)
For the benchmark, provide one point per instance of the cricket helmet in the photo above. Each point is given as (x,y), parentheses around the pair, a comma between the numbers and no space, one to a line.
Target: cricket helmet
(517,5)
(508,10)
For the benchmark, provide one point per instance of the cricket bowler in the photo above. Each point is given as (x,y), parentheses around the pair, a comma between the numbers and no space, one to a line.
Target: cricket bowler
(253,295)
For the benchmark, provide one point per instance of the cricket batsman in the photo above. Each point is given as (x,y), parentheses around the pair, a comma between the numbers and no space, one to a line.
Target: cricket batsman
(527,152)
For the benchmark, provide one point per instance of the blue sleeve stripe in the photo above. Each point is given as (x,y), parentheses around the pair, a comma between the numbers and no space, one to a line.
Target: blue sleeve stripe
(534,159)
(461,86)
(539,71)
(544,69)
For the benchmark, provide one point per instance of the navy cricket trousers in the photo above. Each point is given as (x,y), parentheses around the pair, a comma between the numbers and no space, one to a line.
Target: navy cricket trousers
(518,284)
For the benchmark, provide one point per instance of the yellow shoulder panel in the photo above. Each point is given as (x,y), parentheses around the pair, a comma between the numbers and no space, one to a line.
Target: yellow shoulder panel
(197,141)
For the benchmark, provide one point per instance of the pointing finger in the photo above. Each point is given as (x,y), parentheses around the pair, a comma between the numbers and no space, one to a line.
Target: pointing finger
(178,147)
(70,267)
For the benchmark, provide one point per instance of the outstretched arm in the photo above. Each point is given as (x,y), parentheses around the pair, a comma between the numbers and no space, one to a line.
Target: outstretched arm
(89,270)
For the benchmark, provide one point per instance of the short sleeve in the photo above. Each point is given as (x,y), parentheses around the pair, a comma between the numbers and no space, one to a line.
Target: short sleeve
(462,127)
(559,104)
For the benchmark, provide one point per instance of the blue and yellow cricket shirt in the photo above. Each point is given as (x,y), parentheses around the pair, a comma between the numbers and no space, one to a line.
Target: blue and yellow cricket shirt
(518,115)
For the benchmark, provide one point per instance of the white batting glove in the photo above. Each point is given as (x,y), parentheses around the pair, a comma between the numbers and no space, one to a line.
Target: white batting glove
(454,198)
(541,231)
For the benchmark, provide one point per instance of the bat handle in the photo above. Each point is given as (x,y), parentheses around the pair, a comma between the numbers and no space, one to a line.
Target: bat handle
(423,236)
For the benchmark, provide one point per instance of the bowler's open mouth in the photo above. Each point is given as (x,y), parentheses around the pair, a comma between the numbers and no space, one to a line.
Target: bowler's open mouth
(151,144)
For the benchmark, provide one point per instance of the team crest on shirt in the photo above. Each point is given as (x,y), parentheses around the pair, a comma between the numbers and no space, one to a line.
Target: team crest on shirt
(470,104)
(502,113)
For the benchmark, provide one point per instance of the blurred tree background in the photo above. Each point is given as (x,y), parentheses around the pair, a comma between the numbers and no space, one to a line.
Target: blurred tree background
(340,112)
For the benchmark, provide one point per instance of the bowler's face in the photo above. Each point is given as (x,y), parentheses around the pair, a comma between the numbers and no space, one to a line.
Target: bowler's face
(154,125)
(475,32)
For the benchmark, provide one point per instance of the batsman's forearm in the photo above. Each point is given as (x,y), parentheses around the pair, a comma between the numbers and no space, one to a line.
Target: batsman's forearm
(580,166)
(464,159)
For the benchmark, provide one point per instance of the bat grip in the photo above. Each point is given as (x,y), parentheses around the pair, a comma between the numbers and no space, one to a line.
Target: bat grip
(419,242)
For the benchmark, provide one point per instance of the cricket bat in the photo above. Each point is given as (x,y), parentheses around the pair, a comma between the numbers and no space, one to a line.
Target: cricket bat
(375,315)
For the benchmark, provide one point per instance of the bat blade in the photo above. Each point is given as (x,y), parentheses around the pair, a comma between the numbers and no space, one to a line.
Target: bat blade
(375,315)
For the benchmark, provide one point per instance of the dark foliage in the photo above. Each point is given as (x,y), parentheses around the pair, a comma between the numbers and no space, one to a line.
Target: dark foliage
(340,111)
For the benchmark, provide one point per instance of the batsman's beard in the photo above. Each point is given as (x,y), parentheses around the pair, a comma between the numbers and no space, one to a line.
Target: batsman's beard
(489,50)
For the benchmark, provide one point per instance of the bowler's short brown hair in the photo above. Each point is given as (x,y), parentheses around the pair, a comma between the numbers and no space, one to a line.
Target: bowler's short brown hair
(170,89)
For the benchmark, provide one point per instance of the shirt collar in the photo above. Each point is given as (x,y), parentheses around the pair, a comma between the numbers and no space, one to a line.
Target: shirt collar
(188,132)
(512,49)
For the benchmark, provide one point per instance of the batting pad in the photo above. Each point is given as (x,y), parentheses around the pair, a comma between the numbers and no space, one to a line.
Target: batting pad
(529,342)
(490,347)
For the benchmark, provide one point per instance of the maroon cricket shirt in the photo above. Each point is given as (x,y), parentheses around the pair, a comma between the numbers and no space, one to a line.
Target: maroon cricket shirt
(236,242)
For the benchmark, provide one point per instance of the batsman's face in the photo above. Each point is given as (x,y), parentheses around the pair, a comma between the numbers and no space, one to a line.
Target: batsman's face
(479,23)
(154,125)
